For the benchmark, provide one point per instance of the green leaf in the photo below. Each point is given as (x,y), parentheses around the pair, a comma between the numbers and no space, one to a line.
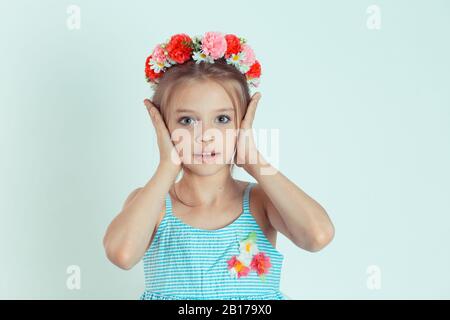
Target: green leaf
(252,236)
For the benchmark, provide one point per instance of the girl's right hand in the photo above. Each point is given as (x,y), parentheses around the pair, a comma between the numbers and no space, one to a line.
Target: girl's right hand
(169,157)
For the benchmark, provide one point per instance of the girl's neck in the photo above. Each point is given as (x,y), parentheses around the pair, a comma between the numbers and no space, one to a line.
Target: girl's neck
(205,191)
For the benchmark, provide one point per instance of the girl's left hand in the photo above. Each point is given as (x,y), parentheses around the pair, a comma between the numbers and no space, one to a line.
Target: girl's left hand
(247,153)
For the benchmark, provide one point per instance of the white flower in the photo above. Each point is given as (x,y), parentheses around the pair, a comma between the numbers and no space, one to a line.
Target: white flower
(237,60)
(248,247)
(199,56)
(158,66)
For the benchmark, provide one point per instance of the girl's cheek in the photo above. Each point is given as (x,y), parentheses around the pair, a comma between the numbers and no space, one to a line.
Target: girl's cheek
(181,135)
(185,152)
(228,148)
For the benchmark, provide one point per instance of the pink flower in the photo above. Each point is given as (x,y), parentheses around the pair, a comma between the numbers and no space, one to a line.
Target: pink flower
(214,44)
(249,55)
(260,263)
(158,54)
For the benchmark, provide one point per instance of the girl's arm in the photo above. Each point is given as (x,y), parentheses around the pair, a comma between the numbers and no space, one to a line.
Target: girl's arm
(290,210)
(129,234)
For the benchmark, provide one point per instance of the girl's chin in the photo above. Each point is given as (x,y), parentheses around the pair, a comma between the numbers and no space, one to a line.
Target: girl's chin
(205,160)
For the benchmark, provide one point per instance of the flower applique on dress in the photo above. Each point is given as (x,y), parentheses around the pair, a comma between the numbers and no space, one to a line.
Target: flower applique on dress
(250,258)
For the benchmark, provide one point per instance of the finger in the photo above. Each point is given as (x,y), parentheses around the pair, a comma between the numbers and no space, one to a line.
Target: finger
(151,113)
(251,110)
(155,116)
(148,104)
(159,121)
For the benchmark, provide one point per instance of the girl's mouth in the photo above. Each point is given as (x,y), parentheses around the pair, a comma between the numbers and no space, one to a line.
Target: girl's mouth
(207,157)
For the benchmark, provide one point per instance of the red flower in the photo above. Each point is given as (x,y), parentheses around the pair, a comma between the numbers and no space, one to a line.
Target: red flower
(254,71)
(233,45)
(260,263)
(150,74)
(179,48)
(237,267)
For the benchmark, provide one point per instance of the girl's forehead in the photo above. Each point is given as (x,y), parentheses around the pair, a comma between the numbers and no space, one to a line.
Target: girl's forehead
(204,101)
(198,94)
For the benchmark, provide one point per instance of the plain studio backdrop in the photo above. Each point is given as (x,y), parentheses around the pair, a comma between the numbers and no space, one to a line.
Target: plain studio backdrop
(359,92)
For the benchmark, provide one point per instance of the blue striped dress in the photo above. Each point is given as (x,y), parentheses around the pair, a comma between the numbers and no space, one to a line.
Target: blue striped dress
(184,262)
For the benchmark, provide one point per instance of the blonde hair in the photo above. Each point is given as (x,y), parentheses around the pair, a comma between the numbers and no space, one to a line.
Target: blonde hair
(232,81)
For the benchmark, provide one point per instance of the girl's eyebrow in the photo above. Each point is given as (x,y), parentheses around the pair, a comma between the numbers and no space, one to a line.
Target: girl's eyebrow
(225,109)
(185,110)
(192,110)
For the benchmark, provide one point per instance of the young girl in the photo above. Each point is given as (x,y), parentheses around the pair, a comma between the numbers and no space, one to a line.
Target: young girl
(208,235)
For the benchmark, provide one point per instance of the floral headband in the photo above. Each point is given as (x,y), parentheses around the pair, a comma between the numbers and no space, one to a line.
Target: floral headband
(213,45)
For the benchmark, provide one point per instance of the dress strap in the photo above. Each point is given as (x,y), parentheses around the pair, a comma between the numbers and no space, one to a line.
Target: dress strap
(168,205)
(246,199)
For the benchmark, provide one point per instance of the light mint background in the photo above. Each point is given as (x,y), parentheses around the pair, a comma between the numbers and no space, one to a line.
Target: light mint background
(364,125)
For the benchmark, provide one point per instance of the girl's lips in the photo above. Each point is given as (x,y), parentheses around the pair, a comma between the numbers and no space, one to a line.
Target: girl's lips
(207,157)
(206,153)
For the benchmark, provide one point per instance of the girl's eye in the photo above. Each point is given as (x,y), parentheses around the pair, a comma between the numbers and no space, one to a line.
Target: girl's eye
(224,119)
(186,123)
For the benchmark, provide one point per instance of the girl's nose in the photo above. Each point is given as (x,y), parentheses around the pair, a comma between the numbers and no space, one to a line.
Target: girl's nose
(205,137)
(205,133)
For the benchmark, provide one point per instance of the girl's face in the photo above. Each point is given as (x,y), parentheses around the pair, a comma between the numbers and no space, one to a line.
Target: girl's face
(202,125)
